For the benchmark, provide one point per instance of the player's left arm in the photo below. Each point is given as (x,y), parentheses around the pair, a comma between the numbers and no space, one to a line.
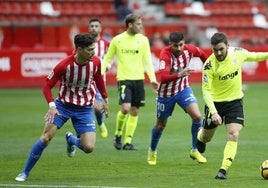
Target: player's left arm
(168,73)
(254,56)
(100,84)
(108,57)
(197,52)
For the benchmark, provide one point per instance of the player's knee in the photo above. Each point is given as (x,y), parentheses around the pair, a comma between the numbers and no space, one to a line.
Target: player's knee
(46,139)
(197,118)
(88,148)
(125,111)
(159,128)
(126,108)
(233,136)
(160,125)
(205,138)
(98,108)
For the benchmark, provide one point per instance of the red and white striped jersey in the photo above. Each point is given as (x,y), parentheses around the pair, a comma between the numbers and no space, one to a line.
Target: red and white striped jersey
(101,47)
(77,82)
(170,84)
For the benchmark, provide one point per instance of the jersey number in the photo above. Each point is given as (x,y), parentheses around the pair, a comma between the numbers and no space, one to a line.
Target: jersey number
(160,106)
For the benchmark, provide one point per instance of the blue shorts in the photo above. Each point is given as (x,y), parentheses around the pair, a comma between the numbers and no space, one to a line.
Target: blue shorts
(98,96)
(82,117)
(165,106)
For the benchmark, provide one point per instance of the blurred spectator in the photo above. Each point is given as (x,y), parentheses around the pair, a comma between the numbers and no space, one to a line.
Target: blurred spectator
(257,41)
(259,20)
(192,39)
(117,3)
(205,1)
(107,34)
(74,30)
(190,1)
(210,31)
(156,41)
(166,37)
(122,9)
(180,1)
(1,37)
(46,8)
(196,8)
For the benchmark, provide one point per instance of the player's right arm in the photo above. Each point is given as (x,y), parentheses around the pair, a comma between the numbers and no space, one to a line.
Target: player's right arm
(207,78)
(206,89)
(50,82)
(108,57)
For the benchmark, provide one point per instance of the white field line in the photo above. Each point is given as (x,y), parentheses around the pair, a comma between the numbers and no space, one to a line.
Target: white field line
(54,186)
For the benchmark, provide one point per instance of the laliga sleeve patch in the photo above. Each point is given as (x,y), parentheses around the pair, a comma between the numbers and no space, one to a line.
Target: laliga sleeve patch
(162,64)
(205,78)
(51,74)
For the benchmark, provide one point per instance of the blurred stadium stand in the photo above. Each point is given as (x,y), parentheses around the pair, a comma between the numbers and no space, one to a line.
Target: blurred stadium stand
(24,25)
(233,17)
(32,41)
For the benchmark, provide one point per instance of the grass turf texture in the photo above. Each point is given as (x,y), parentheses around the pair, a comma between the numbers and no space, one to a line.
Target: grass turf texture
(21,115)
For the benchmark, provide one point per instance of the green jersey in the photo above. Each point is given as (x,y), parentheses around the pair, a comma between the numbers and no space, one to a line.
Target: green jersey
(133,55)
(222,80)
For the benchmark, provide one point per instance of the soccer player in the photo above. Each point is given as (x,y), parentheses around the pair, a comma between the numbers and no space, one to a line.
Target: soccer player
(101,48)
(78,74)
(223,95)
(133,53)
(175,89)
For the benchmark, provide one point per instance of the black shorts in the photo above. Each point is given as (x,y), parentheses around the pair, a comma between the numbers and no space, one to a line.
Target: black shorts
(230,112)
(131,91)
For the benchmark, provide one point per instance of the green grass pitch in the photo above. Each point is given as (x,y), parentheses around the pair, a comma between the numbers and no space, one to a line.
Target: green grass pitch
(21,123)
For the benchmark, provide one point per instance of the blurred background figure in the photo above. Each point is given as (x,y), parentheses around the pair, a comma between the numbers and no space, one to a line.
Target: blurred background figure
(95,29)
(122,9)
(156,41)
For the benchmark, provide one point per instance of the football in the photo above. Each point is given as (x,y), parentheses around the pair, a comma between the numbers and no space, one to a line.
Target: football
(264,169)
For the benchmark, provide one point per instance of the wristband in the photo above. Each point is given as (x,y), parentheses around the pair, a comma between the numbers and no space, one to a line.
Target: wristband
(52,104)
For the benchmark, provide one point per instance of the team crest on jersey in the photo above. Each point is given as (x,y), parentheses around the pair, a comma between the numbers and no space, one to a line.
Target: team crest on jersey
(235,61)
(51,74)
(123,96)
(207,66)
(205,78)
(162,64)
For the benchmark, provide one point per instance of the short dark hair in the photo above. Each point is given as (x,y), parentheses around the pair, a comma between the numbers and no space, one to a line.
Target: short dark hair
(94,20)
(83,40)
(176,36)
(218,38)
(131,18)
